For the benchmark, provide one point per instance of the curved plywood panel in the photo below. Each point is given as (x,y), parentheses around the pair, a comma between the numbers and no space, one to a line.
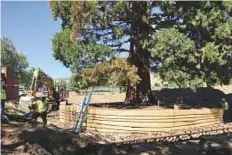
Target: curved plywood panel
(140,120)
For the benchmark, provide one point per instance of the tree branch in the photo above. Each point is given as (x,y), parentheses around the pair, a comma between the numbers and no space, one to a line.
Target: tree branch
(122,50)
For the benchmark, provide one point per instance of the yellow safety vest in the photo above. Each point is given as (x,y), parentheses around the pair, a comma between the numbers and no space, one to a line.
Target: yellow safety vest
(3,94)
(225,105)
(41,106)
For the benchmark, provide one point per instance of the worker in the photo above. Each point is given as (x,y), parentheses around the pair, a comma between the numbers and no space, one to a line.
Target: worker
(224,104)
(40,108)
(3,94)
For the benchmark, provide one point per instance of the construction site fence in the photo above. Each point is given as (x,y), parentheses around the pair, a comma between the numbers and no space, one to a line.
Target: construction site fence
(140,120)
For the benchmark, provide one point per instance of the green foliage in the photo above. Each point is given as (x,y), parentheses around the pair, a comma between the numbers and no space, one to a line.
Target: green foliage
(78,56)
(73,84)
(116,73)
(61,83)
(12,58)
(191,39)
(177,53)
(26,78)
(199,50)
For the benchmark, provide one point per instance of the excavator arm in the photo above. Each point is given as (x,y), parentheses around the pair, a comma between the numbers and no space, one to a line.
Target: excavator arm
(42,84)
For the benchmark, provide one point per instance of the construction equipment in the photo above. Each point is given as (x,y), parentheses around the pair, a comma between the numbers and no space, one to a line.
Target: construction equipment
(82,113)
(41,85)
(63,93)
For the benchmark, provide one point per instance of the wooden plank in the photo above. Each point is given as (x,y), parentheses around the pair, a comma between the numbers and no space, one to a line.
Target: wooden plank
(141,120)
(142,130)
(144,121)
(145,125)
(143,116)
(164,121)
(124,118)
(147,112)
(148,125)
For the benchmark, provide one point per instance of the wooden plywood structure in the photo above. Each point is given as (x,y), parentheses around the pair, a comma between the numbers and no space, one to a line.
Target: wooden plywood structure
(13,89)
(140,120)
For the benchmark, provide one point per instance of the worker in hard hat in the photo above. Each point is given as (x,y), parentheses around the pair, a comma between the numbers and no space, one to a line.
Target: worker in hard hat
(224,104)
(39,108)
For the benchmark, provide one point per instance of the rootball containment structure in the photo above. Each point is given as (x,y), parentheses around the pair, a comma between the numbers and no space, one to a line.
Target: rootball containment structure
(140,120)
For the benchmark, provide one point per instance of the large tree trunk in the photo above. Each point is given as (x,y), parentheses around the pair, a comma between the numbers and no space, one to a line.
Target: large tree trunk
(139,56)
(142,93)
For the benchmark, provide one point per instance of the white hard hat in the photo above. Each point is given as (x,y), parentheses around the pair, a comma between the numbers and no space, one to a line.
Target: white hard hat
(40,95)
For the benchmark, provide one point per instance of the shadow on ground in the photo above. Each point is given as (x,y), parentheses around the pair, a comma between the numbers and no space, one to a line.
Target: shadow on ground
(201,98)
(18,132)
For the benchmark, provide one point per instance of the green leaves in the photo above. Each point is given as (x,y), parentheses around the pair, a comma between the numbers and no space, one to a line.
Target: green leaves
(176,52)
(211,54)
(26,78)
(116,73)
(170,42)
(61,83)
(224,31)
(17,61)
(192,39)
(81,55)
(12,58)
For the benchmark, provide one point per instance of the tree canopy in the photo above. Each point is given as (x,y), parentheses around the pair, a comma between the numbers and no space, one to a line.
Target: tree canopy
(17,61)
(26,77)
(12,58)
(61,83)
(204,54)
(192,40)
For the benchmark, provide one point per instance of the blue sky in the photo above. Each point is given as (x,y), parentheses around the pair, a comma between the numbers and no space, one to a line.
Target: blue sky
(30,27)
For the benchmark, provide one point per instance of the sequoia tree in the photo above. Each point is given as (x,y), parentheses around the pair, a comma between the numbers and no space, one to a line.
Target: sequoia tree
(192,40)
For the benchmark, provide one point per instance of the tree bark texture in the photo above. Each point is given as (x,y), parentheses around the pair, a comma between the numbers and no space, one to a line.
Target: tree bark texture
(139,56)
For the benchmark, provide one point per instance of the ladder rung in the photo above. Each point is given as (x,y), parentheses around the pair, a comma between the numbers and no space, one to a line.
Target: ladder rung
(82,113)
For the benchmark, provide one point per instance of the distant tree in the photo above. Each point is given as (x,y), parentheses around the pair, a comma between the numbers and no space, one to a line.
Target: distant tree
(61,83)
(199,49)
(14,59)
(26,78)
(73,84)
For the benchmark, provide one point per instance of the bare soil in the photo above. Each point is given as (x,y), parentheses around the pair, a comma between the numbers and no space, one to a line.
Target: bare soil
(55,140)
(164,98)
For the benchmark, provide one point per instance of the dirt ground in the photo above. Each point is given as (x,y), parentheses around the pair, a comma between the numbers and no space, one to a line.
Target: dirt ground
(18,132)
(202,97)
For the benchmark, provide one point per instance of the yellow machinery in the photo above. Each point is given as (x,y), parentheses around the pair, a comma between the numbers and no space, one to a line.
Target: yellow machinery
(41,85)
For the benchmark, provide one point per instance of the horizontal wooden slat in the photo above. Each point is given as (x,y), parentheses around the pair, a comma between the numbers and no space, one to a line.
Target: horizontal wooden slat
(142,116)
(147,112)
(154,120)
(142,130)
(146,126)
(141,120)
